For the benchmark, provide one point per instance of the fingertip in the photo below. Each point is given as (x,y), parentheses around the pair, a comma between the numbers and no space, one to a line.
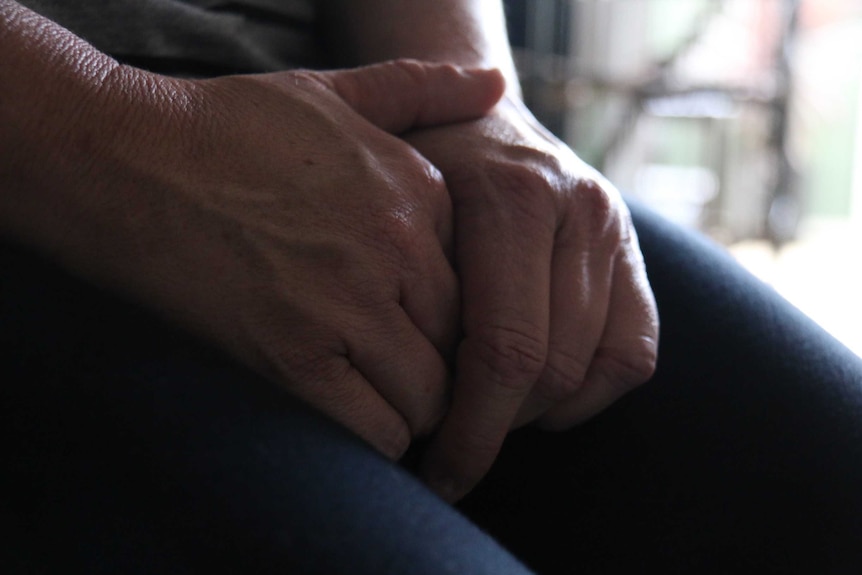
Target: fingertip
(451,466)
(398,95)
(452,93)
(395,444)
(443,484)
(443,467)
(493,81)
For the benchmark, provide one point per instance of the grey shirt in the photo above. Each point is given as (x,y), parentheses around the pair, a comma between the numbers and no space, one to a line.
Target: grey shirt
(194,37)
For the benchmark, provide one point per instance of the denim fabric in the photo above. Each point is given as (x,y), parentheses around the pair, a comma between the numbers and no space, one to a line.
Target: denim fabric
(130,448)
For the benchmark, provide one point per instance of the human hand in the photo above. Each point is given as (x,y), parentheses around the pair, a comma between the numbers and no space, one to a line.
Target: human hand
(559,319)
(275,216)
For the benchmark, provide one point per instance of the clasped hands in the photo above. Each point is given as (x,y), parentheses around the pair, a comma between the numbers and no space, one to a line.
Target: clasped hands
(402,247)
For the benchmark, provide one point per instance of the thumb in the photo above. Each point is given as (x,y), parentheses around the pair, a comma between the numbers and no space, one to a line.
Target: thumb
(403,94)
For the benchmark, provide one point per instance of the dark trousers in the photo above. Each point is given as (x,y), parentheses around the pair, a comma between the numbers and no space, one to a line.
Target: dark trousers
(129,448)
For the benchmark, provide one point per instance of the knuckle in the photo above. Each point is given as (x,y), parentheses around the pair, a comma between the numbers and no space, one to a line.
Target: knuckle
(399,236)
(563,375)
(397,225)
(600,213)
(510,169)
(411,173)
(595,198)
(308,78)
(515,356)
(320,84)
(633,367)
(414,71)
(520,192)
(627,236)
(416,199)
(431,180)
(521,178)
(434,177)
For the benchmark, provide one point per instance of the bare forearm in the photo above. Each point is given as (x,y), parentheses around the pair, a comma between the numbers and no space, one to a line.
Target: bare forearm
(465,32)
(71,119)
(47,75)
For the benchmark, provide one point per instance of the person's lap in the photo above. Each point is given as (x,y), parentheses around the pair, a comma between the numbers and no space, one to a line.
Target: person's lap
(129,448)
(742,454)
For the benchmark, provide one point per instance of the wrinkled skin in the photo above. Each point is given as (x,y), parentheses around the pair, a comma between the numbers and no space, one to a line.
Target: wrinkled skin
(558,316)
(278,217)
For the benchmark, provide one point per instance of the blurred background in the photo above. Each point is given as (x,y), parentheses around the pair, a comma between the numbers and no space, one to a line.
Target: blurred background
(739,118)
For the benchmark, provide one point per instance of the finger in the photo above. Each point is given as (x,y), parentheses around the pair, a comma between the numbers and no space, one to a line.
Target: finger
(422,234)
(436,198)
(504,258)
(430,296)
(626,356)
(337,389)
(580,292)
(402,94)
(403,367)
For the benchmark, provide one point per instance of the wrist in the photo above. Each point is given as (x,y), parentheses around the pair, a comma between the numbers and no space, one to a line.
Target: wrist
(48,76)
(70,116)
